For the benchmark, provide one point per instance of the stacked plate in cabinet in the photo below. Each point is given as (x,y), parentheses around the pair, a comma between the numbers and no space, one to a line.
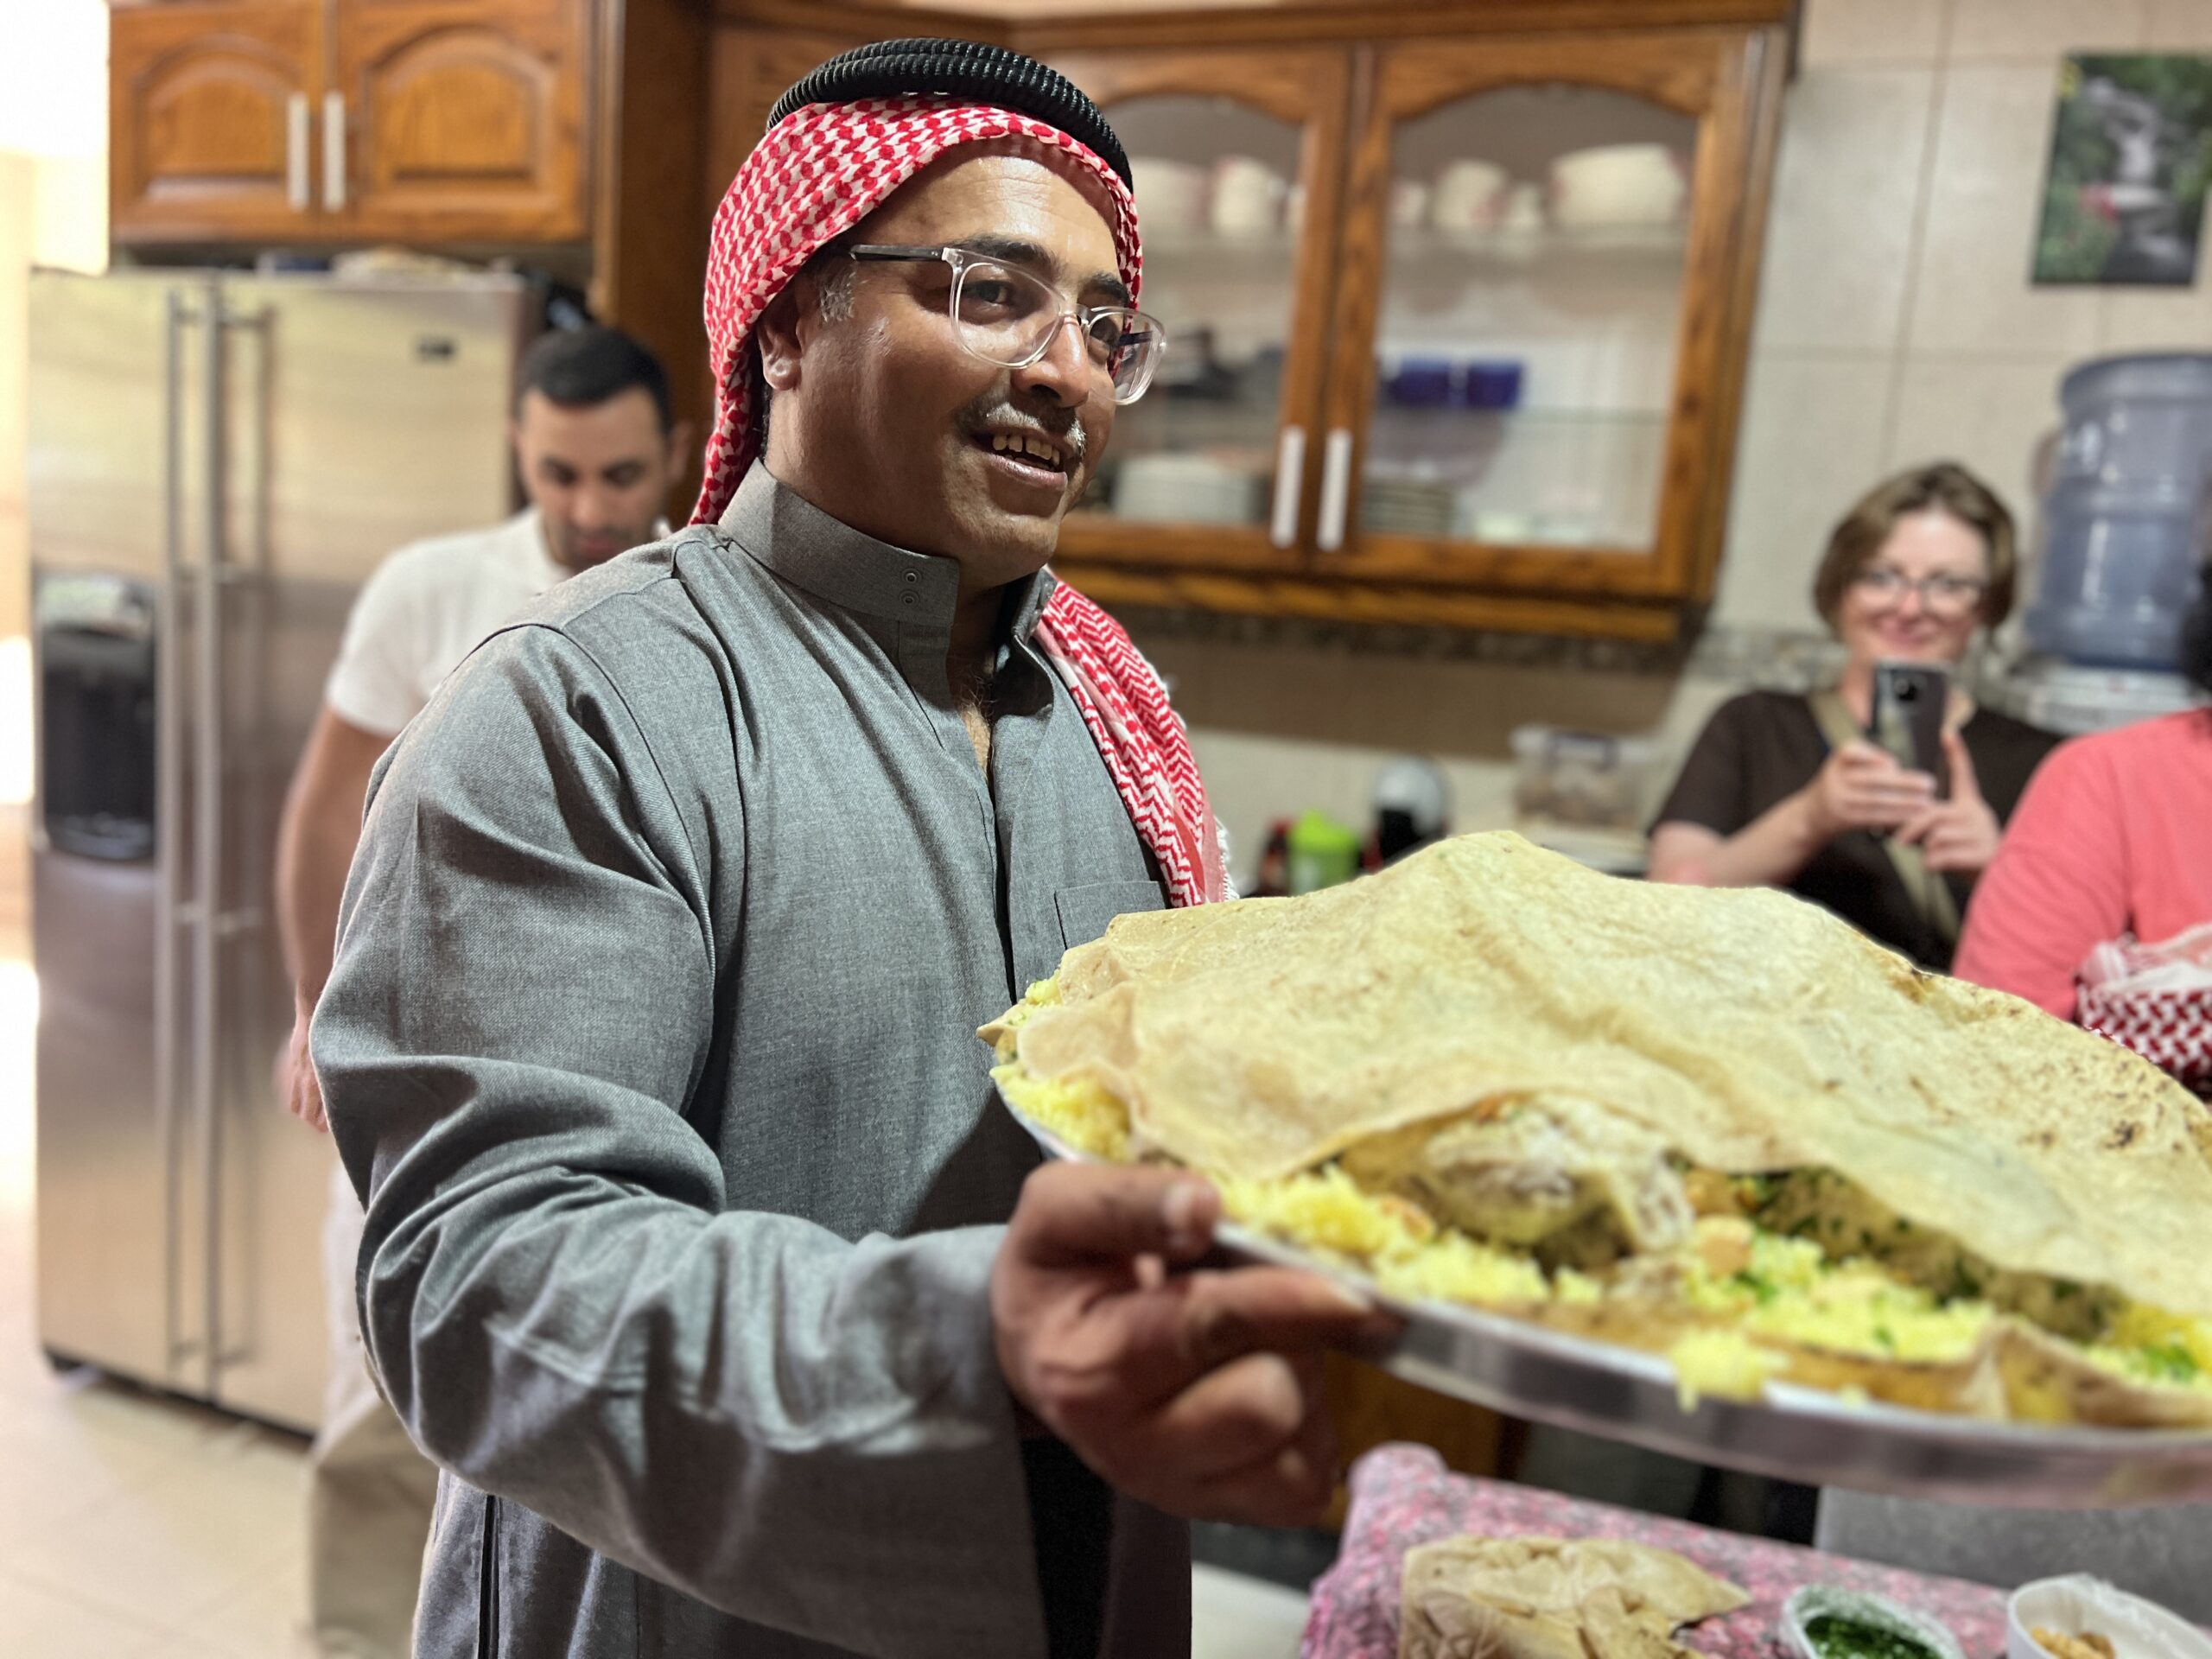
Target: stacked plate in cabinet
(1186,489)
(1407,506)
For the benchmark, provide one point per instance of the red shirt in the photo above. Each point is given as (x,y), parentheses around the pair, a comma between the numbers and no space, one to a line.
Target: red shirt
(2114,836)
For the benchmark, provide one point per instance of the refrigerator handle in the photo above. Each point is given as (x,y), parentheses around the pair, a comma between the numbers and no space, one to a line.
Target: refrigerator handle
(229,1334)
(169,914)
(207,812)
(334,152)
(296,152)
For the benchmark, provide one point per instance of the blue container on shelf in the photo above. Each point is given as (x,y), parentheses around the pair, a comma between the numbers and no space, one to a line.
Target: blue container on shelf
(1491,384)
(1421,382)
(2121,555)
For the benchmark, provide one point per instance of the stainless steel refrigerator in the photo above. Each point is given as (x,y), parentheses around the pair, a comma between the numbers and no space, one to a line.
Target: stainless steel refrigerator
(217,462)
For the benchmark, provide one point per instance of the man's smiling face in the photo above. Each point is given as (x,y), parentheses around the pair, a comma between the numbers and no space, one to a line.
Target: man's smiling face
(885,420)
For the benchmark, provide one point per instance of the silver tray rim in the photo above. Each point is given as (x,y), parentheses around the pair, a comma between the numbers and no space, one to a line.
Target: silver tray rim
(1790,1432)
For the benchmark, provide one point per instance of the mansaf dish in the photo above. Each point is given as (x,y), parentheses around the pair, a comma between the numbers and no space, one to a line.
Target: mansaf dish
(1718,1125)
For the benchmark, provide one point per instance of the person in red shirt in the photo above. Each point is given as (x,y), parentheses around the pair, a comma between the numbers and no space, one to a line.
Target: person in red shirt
(2114,837)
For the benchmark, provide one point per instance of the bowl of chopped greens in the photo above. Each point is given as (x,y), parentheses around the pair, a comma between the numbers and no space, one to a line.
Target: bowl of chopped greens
(1820,1622)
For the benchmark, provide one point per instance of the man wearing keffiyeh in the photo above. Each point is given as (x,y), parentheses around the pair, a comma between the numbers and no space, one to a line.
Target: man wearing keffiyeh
(650,1041)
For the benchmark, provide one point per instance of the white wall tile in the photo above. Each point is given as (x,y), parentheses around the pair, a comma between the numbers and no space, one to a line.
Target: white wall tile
(2178,25)
(1870,31)
(1992,417)
(1811,445)
(1987,30)
(1970,287)
(1847,198)
(1278,728)
(2159,319)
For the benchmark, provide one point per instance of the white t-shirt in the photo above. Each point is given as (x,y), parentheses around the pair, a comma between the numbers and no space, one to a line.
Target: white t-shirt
(425,609)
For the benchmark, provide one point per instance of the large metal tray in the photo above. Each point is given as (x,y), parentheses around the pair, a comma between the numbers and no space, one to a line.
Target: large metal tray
(1791,1433)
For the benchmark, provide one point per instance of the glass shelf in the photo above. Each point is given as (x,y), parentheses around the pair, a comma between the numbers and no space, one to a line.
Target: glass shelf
(1664,244)
(1660,243)
(1181,245)
(1524,420)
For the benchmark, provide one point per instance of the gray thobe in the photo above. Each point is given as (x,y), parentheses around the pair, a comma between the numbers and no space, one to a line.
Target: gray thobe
(649,1044)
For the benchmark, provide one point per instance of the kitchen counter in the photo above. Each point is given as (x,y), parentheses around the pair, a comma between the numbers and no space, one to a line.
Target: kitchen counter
(1402,1495)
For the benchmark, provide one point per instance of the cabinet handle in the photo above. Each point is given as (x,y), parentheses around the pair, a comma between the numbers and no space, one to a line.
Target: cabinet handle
(334,152)
(1336,488)
(1290,474)
(296,152)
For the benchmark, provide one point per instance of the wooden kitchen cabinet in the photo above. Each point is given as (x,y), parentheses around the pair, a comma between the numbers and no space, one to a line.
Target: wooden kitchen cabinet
(458,120)
(1374,409)
(429,122)
(1226,430)
(1607,475)
(209,117)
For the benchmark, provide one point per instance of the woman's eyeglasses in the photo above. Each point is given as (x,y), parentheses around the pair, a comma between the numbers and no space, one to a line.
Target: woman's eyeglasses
(1943,595)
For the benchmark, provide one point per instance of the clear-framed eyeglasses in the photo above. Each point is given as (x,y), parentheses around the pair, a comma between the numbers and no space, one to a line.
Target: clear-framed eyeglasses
(1009,316)
(1943,595)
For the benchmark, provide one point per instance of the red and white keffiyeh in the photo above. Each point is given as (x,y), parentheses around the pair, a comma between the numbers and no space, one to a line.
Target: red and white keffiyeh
(2155,999)
(819,173)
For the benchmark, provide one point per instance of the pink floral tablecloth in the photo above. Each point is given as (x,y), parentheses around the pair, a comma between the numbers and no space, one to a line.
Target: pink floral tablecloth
(1402,1495)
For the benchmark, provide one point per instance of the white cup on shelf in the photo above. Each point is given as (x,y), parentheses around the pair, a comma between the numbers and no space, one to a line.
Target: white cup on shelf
(1171,194)
(1471,195)
(1246,196)
(1524,209)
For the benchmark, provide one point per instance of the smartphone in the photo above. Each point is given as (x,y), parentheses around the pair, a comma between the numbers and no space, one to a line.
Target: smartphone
(1911,701)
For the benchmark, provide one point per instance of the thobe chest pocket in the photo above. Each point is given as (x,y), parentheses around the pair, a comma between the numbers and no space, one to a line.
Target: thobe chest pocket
(1085,911)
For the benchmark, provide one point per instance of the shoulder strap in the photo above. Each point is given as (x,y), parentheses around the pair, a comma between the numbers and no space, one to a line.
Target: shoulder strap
(1930,893)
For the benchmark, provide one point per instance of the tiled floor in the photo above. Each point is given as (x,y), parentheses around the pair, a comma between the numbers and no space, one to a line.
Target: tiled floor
(132,1527)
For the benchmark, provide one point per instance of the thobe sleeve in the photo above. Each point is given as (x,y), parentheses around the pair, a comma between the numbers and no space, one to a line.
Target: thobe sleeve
(806,1433)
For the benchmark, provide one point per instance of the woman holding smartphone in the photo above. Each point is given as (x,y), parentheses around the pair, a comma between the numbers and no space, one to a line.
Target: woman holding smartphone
(1790,792)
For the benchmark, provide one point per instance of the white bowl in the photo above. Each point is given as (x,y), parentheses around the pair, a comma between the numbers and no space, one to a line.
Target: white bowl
(1185,489)
(1171,194)
(1470,195)
(1816,1599)
(2078,1603)
(1618,184)
(1248,196)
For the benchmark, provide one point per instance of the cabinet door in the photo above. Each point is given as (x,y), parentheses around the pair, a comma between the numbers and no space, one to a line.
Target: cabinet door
(1549,252)
(458,120)
(1238,157)
(208,123)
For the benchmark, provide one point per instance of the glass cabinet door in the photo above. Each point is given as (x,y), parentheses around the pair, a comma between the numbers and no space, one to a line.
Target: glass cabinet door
(1523,382)
(1238,160)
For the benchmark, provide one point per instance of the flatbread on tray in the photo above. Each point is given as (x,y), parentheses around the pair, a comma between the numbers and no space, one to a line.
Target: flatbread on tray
(1476,1597)
(1622,1081)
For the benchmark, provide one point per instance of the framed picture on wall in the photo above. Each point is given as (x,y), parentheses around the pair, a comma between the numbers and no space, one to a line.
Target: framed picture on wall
(2131,155)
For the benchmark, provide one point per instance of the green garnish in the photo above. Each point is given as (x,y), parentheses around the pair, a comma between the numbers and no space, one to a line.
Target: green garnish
(1759,1288)
(2169,1362)
(1835,1637)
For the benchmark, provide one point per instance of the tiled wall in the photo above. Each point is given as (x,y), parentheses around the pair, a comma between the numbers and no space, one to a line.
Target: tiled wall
(1896,320)
(53,211)
(18,176)
(1896,324)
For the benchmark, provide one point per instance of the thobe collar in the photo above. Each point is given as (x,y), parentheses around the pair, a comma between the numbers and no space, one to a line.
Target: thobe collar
(913,593)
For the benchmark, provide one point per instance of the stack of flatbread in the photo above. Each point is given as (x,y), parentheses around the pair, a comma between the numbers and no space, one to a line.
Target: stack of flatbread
(1552,1598)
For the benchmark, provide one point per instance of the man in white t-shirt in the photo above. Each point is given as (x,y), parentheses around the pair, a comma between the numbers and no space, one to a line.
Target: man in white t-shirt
(598,449)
